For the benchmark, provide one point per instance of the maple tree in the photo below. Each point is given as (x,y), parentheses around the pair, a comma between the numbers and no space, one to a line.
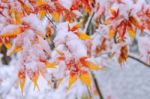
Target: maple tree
(50,34)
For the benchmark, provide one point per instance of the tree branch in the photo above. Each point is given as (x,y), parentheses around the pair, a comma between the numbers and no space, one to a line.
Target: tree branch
(54,26)
(88,22)
(97,86)
(54,34)
(138,59)
(115,37)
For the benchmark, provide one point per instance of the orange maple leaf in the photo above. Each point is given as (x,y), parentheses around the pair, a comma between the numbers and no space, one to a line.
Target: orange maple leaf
(74,28)
(89,64)
(123,54)
(21,76)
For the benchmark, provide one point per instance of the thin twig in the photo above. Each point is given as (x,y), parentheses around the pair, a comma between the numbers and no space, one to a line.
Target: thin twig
(89,92)
(88,22)
(54,26)
(115,37)
(54,34)
(97,86)
(139,60)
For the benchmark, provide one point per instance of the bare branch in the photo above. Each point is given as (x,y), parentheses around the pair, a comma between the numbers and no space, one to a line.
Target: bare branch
(138,59)
(97,86)
(54,34)
(54,26)
(115,37)
(88,22)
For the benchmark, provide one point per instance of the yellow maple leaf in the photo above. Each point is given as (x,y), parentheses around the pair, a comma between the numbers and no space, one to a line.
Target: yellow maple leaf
(15,50)
(35,84)
(89,64)
(55,16)
(51,64)
(86,78)
(72,79)
(35,80)
(131,33)
(87,10)
(111,33)
(21,84)
(83,36)
(26,8)
(21,76)
(40,2)
(8,45)
(106,22)
(93,66)
(42,13)
(16,16)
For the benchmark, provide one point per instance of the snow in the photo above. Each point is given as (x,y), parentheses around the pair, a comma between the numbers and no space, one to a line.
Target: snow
(66,3)
(129,82)
(35,22)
